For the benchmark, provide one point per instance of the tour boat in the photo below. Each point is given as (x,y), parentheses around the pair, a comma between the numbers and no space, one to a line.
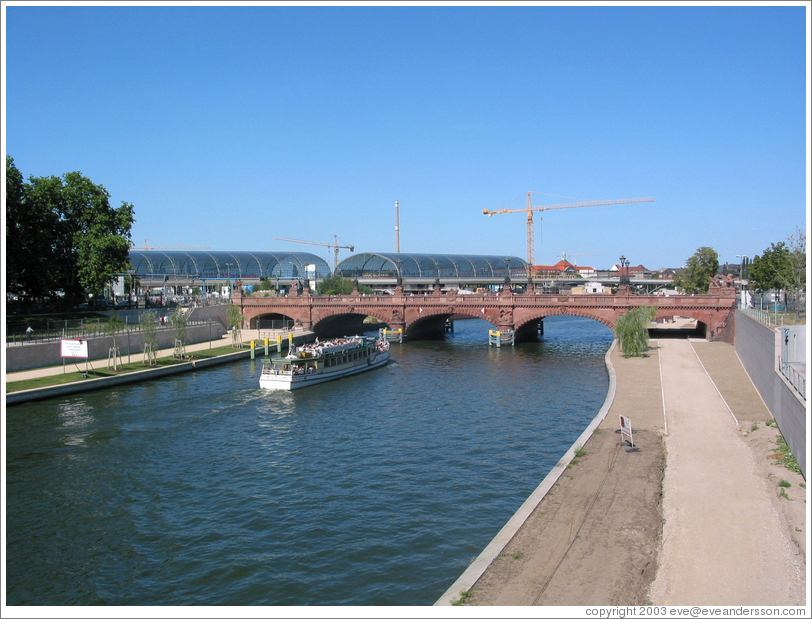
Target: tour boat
(310,364)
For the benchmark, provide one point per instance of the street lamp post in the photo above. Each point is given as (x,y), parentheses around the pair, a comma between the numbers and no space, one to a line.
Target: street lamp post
(741,279)
(624,272)
(131,273)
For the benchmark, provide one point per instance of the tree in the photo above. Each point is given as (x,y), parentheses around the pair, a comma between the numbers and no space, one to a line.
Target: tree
(340,285)
(234,316)
(31,228)
(631,330)
(782,266)
(149,324)
(179,320)
(794,277)
(62,235)
(234,319)
(113,326)
(699,269)
(766,270)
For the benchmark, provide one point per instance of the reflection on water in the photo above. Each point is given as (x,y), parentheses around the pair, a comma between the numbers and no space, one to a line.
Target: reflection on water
(76,417)
(376,489)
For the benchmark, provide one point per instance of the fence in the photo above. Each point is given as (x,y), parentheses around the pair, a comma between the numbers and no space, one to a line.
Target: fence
(272,325)
(795,378)
(771,318)
(82,329)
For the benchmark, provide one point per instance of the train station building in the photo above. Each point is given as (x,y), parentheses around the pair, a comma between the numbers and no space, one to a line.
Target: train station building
(214,271)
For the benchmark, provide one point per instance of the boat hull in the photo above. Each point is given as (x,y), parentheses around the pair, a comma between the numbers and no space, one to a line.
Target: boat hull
(286,382)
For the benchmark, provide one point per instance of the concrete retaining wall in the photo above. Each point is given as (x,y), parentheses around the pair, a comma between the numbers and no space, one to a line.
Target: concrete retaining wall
(759,347)
(47,354)
(42,393)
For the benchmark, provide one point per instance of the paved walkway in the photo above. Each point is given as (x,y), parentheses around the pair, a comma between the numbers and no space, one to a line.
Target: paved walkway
(722,540)
(99,364)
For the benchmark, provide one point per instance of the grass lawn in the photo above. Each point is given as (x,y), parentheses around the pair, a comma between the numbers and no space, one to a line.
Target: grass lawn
(75,376)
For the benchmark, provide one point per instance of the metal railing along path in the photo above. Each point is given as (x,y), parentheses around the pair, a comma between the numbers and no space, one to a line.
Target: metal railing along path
(794,377)
(88,331)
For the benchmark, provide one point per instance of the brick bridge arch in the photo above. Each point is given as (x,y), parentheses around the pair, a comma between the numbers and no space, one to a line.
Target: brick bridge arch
(418,314)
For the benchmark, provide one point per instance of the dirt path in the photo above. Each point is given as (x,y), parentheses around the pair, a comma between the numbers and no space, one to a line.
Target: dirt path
(603,535)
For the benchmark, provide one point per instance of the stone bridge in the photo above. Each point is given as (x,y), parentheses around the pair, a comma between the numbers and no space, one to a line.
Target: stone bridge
(425,316)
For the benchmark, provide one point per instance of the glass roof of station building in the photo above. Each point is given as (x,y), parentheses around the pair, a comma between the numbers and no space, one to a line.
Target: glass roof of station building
(226,264)
(415,266)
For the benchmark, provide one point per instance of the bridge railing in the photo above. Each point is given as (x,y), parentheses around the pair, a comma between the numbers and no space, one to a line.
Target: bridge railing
(597,300)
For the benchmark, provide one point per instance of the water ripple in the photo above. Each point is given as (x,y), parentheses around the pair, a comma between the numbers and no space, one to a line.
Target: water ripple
(377,489)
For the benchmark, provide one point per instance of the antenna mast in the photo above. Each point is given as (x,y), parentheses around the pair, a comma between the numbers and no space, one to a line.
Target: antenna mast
(397,229)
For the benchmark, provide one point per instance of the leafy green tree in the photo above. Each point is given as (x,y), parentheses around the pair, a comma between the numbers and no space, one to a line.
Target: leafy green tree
(794,280)
(766,271)
(31,232)
(234,316)
(340,285)
(699,269)
(782,266)
(62,235)
(631,330)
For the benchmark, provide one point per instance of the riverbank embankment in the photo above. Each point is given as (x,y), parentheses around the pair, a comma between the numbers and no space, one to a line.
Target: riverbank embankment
(234,348)
(693,513)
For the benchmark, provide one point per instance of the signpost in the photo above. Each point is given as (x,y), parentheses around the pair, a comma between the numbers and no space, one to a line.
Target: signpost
(74,349)
(626,429)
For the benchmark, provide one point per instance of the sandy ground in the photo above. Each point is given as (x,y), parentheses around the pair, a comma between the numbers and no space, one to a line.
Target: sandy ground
(695,514)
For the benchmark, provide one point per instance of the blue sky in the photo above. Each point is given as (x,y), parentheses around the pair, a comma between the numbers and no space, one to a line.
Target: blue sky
(227,126)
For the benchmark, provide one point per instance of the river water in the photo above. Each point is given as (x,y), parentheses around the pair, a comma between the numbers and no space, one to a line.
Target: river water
(377,489)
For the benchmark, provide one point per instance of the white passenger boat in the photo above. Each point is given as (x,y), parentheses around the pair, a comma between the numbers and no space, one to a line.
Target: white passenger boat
(319,362)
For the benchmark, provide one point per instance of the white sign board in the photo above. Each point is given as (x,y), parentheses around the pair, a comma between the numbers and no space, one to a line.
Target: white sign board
(74,348)
(626,429)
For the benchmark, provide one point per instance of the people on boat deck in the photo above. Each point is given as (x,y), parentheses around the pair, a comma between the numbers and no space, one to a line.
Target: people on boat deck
(321,348)
(317,349)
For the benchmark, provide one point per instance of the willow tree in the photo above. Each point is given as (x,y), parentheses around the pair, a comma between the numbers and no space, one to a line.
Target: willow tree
(631,330)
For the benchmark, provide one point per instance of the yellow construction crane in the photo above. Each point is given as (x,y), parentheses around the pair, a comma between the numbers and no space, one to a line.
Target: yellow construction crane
(529,210)
(145,248)
(335,245)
